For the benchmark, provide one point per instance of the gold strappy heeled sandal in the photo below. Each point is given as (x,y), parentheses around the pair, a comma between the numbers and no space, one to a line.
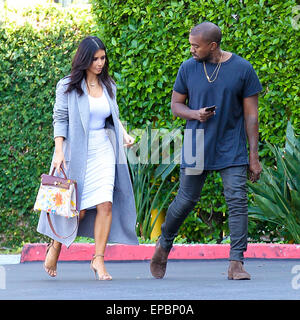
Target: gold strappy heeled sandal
(105,276)
(51,270)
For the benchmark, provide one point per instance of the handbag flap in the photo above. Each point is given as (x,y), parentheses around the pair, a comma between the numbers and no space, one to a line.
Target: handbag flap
(49,180)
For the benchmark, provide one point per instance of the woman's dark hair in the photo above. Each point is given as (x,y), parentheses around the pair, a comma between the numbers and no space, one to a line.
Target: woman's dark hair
(81,62)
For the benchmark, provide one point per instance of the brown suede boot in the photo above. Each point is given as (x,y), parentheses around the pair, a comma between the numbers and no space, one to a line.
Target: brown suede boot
(158,264)
(236,271)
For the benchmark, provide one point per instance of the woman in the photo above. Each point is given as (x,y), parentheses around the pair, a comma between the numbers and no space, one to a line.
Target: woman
(89,140)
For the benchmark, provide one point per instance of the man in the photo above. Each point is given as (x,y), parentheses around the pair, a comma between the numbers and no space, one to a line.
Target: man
(214,77)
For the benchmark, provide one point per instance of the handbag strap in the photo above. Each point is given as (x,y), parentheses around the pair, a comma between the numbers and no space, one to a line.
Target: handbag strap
(53,230)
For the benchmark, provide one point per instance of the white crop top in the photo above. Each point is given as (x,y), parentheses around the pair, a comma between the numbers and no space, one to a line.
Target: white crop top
(99,111)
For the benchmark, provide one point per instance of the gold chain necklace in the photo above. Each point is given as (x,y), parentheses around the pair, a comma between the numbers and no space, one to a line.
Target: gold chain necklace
(209,78)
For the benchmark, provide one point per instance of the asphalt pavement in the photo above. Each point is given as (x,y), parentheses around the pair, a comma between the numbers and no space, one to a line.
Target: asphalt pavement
(184,280)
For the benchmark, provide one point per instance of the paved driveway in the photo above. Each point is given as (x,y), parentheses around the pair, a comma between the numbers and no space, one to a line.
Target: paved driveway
(185,280)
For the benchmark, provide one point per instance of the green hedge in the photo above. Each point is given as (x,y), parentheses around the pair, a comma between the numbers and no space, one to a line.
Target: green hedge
(36,48)
(146,41)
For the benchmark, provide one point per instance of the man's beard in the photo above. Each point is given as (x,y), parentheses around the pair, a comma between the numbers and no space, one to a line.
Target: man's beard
(203,59)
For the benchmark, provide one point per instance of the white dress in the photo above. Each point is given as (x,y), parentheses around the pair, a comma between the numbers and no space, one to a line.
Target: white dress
(100,171)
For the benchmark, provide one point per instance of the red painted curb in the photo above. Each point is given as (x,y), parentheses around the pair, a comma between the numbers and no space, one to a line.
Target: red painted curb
(120,252)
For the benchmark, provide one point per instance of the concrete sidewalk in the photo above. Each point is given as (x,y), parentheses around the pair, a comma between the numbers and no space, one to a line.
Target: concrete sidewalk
(185,280)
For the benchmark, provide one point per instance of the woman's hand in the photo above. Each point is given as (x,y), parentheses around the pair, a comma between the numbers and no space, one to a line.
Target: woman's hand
(59,159)
(128,140)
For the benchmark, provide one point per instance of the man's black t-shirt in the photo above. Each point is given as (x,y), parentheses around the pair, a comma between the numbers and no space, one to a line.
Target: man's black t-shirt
(225,143)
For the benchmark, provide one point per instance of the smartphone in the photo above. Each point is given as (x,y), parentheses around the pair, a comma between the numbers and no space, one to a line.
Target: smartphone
(210,109)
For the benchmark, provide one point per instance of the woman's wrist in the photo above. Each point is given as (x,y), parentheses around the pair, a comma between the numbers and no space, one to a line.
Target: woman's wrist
(59,145)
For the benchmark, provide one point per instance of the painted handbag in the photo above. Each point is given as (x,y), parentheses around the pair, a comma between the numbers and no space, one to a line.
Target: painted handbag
(57,196)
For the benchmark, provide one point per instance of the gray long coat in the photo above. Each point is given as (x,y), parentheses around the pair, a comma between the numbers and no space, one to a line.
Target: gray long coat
(71,120)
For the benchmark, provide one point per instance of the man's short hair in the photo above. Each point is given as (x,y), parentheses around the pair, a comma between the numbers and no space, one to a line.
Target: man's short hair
(209,31)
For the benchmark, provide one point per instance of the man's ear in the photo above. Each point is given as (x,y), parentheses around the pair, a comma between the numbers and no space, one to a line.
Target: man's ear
(214,46)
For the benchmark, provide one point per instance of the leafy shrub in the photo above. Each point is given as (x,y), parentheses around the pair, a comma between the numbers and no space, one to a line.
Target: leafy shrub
(277,195)
(149,178)
(36,48)
(147,42)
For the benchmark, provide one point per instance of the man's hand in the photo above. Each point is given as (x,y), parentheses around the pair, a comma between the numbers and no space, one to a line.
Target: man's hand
(180,109)
(254,168)
(202,115)
(251,125)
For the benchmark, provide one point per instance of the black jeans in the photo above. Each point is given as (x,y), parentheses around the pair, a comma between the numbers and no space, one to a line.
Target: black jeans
(235,190)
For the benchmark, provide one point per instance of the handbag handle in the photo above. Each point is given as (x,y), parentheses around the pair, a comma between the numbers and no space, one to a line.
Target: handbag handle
(53,170)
